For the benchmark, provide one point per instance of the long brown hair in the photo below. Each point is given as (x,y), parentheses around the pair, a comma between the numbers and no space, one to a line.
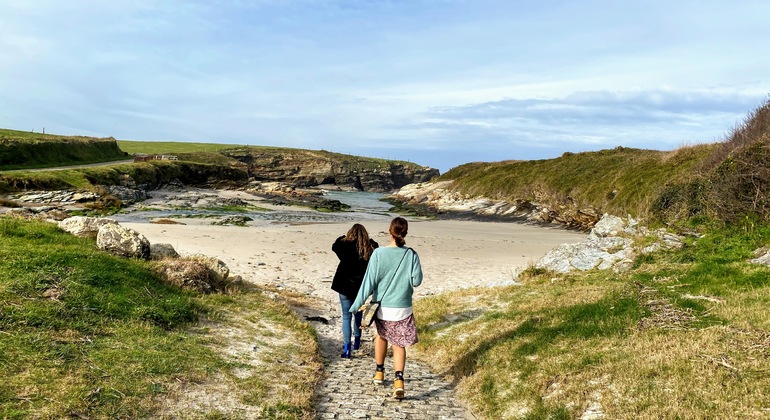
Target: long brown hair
(360,236)
(398,229)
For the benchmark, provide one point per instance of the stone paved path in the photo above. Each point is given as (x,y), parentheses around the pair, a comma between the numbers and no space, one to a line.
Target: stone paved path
(347,391)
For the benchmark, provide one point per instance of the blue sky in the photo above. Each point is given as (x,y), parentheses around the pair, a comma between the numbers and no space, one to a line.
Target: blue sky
(437,82)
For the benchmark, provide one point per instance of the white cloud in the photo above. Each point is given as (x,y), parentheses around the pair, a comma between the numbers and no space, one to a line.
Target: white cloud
(452,80)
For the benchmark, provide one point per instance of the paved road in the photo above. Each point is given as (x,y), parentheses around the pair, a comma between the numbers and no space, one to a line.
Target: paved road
(347,390)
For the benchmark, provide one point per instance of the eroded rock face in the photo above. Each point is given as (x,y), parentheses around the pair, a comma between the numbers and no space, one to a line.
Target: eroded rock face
(305,168)
(84,226)
(122,241)
(440,197)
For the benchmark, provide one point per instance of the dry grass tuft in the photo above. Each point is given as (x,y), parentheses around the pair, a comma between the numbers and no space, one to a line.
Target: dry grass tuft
(191,273)
(663,314)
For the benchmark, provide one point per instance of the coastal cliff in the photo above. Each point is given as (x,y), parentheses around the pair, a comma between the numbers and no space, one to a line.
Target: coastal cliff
(443,198)
(307,168)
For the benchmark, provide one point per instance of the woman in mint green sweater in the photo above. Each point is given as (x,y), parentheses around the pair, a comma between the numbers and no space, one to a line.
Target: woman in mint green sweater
(391,276)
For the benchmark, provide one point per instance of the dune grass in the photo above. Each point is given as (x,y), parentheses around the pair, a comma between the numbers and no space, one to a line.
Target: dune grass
(88,335)
(618,181)
(684,334)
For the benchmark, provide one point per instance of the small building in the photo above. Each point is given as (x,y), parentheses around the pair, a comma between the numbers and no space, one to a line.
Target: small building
(145,158)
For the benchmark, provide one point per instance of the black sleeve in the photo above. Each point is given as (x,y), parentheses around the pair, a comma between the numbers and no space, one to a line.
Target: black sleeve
(337,246)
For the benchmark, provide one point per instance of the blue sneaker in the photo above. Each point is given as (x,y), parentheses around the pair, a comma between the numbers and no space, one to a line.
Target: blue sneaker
(356,342)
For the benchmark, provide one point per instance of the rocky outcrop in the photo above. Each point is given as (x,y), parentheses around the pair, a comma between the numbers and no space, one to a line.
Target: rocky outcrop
(122,241)
(441,198)
(84,226)
(306,168)
(42,213)
(761,256)
(612,244)
(62,197)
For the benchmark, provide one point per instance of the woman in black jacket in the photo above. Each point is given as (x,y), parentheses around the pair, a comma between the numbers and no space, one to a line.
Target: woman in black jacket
(353,250)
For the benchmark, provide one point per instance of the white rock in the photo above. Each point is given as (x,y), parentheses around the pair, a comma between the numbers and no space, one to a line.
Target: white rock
(84,225)
(122,241)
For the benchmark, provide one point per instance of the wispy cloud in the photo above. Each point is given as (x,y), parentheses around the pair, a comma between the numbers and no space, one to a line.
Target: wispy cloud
(442,80)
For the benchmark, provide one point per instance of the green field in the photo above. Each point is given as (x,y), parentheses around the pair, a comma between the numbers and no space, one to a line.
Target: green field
(170,147)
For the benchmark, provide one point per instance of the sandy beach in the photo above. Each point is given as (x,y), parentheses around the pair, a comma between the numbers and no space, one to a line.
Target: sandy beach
(298,257)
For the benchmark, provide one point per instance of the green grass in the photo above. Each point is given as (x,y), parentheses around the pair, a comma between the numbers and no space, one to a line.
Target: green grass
(87,334)
(25,150)
(618,181)
(170,147)
(645,344)
(154,174)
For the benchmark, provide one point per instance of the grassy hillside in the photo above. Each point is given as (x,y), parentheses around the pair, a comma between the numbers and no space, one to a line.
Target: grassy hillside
(618,181)
(725,181)
(684,334)
(84,334)
(225,153)
(21,149)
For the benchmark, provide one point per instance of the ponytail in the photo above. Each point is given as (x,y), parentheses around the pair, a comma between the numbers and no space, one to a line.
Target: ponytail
(398,229)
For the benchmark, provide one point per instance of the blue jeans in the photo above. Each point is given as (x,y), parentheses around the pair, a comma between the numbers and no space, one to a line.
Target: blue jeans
(347,317)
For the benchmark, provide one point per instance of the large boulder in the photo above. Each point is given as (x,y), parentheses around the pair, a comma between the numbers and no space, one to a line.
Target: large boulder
(122,241)
(162,251)
(84,225)
(600,253)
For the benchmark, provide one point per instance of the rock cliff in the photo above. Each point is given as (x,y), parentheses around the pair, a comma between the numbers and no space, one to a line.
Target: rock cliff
(307,168)
(439,197)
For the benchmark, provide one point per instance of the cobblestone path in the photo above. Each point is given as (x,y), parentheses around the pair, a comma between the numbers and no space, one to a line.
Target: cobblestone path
(347,390)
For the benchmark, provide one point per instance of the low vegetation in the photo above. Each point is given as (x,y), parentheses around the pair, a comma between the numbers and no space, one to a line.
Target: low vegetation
(22,150)
(617,181)
(85,334)
(685,334)
(153,173)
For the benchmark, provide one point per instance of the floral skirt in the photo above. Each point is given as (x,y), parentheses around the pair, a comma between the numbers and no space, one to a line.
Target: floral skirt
(398,333)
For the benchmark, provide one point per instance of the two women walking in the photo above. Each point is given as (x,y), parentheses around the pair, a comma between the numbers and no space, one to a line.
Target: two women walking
(391,274)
